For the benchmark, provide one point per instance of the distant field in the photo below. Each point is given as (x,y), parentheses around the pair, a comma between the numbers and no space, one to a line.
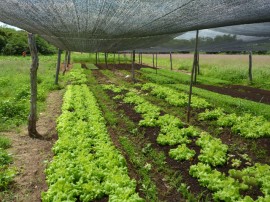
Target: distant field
(233,68)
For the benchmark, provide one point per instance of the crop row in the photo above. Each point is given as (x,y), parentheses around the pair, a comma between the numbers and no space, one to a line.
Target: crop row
(86,165)
(213,152)
(247,125)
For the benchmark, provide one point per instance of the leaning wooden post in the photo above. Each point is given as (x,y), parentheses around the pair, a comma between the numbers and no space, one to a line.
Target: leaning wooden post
(133,64)
(58,67)
(171,60)
(65,63)
(250,67)
(192,75)
(32,119)
(196,57)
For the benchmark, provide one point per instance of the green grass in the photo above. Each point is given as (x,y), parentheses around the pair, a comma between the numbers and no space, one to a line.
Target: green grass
(15,88)
(232,69)
(91,58)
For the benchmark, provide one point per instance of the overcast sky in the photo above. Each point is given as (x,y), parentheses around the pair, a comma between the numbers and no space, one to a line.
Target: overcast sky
(3,24)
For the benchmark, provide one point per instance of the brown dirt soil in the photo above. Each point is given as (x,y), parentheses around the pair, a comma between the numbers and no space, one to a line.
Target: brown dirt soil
(30,154)
(245,92)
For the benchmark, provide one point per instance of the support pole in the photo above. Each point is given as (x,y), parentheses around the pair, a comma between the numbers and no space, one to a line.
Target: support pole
(198,63)
(69,57)
(156,63)
(133,64)
(171,60)
(153,60)
(250,67)
(32,119)
(106,60)
(196,58)
(65,63)
(58,67)
(192,75)
(141,58)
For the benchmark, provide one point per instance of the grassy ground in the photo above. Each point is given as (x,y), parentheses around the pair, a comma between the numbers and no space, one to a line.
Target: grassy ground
(15,88)
(231,68)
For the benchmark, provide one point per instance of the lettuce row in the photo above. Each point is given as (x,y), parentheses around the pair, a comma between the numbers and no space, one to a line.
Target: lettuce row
(228,188)
(174,97)
(86,165)
(213,152)
(76,76)
(182,152)
(247,125)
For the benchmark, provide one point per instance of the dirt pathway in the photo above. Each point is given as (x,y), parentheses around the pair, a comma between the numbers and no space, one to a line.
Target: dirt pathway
(31,155)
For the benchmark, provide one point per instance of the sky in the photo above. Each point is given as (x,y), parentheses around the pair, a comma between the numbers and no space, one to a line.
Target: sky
(9,26)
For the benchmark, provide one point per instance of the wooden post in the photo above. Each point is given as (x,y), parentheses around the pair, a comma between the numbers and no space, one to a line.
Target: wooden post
(65,63)
(250,67)
(156,63)
(106,59)
(192,75)
(198,63)
(58,67)
(32,119)
(133,64)
(153,61)
(171,61)
(141,58)
(69,57)
(196,58)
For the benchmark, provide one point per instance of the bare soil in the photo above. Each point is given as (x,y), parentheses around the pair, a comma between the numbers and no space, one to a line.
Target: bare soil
(245,92)
(31,155)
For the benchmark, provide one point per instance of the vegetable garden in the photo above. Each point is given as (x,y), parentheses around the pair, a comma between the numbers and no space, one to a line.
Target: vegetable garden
(219,155)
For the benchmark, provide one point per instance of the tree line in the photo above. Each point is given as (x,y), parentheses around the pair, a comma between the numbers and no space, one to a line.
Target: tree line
(15,42)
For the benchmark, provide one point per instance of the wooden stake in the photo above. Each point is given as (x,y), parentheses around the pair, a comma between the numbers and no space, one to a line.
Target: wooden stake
(171,61)
(133,64)
(250,67)
(153,61)
(32,119)
(198,63)
(156,63)
(69,57)
(58,67)
(192,75)
(106,60)
(65,63)
(196,58)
